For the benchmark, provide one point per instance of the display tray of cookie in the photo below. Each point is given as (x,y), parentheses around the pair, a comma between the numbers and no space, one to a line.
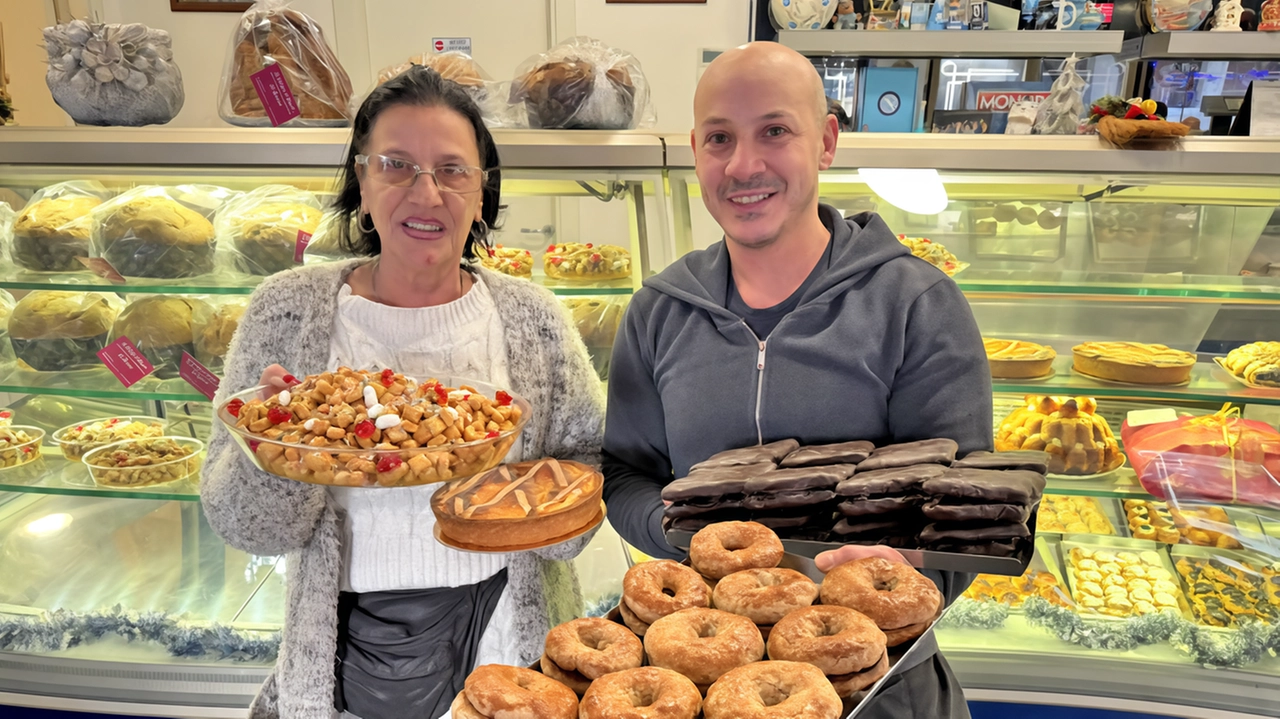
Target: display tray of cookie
(1043,578)
(1224,587)
(1118,577)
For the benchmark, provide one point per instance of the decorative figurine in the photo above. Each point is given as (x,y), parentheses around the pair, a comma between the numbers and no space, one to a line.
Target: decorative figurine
(113,74)
(1227,17)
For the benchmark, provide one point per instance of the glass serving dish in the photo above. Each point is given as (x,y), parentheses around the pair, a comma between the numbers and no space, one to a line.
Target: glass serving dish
(19,453)
(113,429)
(133,462)
(347,466)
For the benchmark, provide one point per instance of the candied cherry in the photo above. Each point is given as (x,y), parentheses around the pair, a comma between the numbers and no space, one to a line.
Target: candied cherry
(552,248)
(556,260)
(6,415)
(503,398)
(112,421)
(388,378)
(364,429)
(389,463)
(595,257)
(491,435)
(279,415)
(589,245)
(233,409)
(493,252)
(442,395)
(253,445)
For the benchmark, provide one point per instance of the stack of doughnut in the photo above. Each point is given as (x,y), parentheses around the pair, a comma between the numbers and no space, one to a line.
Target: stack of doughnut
(817,654)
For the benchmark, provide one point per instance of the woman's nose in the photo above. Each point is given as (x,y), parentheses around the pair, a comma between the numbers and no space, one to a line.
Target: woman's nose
(426,190)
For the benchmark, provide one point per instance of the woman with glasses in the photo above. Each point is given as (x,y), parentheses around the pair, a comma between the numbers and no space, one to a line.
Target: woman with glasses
(382,621)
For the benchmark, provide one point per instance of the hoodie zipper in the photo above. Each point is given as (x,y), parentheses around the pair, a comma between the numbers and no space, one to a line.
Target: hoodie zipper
(760,345)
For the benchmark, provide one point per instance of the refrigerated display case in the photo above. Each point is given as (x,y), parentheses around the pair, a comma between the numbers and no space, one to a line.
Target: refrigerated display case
(123,599)
(1061,241)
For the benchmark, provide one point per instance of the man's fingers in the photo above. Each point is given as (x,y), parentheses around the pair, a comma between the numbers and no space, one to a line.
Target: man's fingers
(826,561)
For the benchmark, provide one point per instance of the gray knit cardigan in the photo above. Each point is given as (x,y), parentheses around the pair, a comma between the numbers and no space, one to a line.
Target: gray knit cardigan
(289,321)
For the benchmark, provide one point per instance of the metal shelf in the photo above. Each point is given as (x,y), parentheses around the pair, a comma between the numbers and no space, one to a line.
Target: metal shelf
(1208,46)
(957,44)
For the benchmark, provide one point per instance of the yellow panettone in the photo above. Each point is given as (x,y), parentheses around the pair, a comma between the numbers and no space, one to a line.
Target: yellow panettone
(1077,438)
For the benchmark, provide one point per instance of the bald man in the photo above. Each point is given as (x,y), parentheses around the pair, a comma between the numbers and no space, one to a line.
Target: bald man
(799,324)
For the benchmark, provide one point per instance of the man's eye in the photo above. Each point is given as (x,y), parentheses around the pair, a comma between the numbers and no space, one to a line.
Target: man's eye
(718,138)
(775,131)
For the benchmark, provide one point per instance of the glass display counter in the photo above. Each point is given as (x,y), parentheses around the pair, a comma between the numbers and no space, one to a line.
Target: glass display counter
(124,600)
(1061,241)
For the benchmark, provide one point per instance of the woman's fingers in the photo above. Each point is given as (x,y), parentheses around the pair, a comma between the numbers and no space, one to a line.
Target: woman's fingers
(276,378)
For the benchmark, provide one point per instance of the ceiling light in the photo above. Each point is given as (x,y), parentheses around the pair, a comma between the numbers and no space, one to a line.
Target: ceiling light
(919,192)
(49,524)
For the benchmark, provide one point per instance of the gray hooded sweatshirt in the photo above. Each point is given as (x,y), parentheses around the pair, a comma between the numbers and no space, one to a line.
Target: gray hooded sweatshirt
(882,346)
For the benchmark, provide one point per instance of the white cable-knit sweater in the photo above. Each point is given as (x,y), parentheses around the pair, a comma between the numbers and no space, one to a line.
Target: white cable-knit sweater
(389,544)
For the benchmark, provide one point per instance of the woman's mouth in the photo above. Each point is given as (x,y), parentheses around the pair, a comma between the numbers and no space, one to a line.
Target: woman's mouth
(422,229)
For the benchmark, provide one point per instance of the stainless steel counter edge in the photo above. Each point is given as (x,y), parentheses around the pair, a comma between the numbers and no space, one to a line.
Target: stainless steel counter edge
(169,146)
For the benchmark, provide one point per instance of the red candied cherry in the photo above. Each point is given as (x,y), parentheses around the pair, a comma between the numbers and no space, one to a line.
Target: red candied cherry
(233,408)
(556,260)
(552,248)
(253,445)
(389,463)
(279,415)
(595,257)
(516,265)
(503,398)
(26,450)
(6,415)
(491,435)
(112,421)
(388,378)
(589,245)
(493,252)
(364,429)
(926,240)
(442,395)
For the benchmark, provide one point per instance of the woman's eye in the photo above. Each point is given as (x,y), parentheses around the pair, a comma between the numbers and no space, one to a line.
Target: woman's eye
(452,170)
(393,164)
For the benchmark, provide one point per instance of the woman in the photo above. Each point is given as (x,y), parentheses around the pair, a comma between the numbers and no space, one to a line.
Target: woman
(372,598)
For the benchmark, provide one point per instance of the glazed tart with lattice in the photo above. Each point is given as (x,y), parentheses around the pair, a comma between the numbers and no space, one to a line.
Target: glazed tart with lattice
(1077,438)
(934,253)
(1133,362)
(526,504)
(1256,363)
(512,261)
(1016,359)
(578,262)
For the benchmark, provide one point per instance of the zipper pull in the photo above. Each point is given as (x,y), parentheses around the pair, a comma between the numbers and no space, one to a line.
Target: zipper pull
(760,358)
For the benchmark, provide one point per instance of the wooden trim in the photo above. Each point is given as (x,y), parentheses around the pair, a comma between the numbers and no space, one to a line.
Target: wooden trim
(657,2)
(195,6)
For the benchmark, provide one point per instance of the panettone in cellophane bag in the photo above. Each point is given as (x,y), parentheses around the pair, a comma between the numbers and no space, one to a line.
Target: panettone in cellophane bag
(582,83)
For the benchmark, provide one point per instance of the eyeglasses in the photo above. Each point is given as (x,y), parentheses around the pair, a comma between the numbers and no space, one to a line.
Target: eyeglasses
(402,173)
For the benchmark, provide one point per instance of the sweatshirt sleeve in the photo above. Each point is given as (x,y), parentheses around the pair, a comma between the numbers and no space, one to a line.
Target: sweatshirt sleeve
(636,463)
(943,388)
(251,510)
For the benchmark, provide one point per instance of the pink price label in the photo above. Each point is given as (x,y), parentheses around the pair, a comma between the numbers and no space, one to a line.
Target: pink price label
(198,376)
(277,99)
(300,247)
(102,268)
(124,361)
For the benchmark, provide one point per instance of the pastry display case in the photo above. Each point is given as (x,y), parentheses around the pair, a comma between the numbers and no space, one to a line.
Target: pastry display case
(115,594)
(1109,286)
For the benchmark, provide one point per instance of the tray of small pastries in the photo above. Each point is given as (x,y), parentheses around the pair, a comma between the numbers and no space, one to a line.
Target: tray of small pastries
(1255,365)
(970,514)
(366,428)
(1117,577)
(733,633)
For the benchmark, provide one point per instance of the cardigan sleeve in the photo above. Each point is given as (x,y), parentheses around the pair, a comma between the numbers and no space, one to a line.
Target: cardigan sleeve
(250,509)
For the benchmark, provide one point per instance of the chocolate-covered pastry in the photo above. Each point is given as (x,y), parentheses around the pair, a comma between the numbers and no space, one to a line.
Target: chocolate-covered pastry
(788,500)
(825,454)
(906,454)
(878,506)
(891,536)
(1005,548)
(692,509)
(693,524)
(771,452)
(968,532)
(855,526)
(715,482)
(889,482)
(791,521)
(1015,486)
(1030,460)
(799,478)
(981,513)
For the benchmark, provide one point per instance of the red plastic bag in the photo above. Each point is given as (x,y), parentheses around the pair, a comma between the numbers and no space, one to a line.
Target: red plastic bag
(1218,458)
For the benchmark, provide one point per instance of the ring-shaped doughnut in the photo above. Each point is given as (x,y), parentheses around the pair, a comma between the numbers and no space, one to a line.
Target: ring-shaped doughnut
(721,549)
(703,644)
(574,680)
(631,620)
(593,647)
(764,595)
(837,640)
(645,587)
(894,637)
(516,691)
(891,594)
(772,690)
(642,693)
(462,709)
(847,685)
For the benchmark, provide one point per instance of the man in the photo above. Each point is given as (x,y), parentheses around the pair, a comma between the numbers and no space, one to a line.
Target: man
(799,324)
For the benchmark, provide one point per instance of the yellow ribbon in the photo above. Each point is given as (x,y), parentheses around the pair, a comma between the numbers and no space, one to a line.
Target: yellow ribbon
(1225,420)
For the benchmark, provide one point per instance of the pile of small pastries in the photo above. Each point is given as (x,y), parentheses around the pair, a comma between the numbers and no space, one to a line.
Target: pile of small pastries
(1078,439)
(1072,515)
(1014,591)
(512,261)
(1223,592)
(1158,521)
(1256,363)
(934,253)
(1122,584)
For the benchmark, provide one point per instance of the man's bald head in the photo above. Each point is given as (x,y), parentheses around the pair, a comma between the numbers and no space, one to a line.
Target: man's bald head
(770,66)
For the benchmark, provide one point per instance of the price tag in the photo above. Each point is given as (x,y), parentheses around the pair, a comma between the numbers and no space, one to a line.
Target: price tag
(100,267)
(300,247)
(1141,417)
(198,376)
(277,99)
(452,44)
(124,361)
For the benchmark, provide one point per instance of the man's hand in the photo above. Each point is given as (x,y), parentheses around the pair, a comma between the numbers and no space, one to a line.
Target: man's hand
(276,379)
(828,560)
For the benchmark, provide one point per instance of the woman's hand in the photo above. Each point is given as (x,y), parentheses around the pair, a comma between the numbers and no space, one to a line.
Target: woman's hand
(828,560)
(276,378)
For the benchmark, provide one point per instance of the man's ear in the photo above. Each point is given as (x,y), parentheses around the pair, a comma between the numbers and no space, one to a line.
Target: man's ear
(830,137)
(693,144)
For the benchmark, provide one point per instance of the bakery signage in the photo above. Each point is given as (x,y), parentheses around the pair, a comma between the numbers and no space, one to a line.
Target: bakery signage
(273,90)
(300,246)
(124,361)
(1002,100)
(198,376)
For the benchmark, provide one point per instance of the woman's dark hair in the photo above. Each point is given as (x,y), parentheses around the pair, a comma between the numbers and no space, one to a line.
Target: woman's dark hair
(416,86)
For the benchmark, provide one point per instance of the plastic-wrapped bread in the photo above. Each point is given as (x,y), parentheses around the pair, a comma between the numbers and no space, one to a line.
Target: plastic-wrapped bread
(53,330)
(262,228)
(583,84)
(53,228)
(162,327)
(161,232)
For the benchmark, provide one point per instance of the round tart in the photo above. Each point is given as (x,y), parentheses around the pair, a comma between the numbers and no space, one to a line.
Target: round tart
(1133,362)
(577,262)
(512,261)
(525,505)
(1015,359)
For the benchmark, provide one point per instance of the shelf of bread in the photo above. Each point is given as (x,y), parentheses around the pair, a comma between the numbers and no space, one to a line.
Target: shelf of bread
(97,383)
(51,473)
(1208,383)
(1162,288)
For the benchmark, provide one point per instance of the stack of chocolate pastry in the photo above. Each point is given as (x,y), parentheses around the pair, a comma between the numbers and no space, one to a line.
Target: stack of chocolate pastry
(880,504)
(981,504)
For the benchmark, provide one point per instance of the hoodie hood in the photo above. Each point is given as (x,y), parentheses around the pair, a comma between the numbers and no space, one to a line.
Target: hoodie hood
(860,244)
